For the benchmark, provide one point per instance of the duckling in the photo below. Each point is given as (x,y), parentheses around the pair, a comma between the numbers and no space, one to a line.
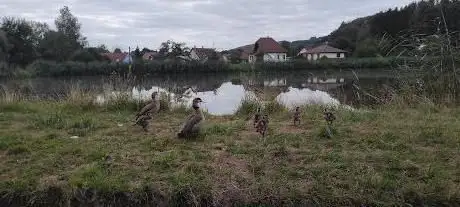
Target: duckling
(256,117)
(296,117)
(145,114)
(262,125)
(328,116)
(193,123)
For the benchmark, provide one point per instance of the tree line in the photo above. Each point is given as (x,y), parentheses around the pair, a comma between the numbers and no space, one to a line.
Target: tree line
(23,41)
(382,34)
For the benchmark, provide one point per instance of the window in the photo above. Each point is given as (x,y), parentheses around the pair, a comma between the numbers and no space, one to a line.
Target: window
(278,57)
(338,55)
(284,57)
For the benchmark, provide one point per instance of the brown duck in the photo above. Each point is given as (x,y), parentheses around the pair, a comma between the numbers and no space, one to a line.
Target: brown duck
(146,113)
(328,116)
(262,125)
(257,117)
(296,118)
(193,123)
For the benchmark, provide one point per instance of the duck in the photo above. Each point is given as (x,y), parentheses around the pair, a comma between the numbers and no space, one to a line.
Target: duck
(257,117)
(296,118)
(192,124)
(262,125)
(145,114)
(328,116)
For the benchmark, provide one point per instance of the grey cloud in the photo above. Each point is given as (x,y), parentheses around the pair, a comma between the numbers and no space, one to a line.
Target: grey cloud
(222,23)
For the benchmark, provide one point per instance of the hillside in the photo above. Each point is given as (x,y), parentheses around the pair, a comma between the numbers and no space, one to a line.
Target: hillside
(373,35)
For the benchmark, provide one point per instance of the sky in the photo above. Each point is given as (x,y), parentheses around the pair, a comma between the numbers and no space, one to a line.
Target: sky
(220,24)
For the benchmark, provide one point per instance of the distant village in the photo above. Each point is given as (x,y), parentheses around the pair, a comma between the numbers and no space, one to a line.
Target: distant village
(265,49)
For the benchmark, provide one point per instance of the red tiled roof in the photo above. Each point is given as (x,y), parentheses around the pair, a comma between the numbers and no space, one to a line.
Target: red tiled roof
(115,56)
(267,45)
(323,49)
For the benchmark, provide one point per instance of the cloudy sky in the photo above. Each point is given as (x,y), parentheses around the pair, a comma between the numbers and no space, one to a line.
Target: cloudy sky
(223,24)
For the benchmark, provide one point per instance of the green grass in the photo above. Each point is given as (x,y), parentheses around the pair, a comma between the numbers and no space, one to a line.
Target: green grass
(388,156)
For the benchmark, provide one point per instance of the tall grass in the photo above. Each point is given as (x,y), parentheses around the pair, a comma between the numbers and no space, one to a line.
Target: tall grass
(434,72)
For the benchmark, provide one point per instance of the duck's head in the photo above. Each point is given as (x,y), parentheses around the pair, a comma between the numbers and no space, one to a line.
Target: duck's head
(154,95)
(297,108)
(196,103)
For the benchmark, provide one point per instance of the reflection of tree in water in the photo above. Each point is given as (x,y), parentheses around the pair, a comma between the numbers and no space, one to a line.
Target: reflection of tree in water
(200,82)
(366,91)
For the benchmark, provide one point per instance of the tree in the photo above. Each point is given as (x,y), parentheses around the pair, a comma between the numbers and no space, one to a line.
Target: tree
(146,50)
(56,46)
(137,55)
(87,55)
(287,45)
(137,52)
(101,49)
(117,50)
(367,48)
(68,25)
(173,49)
(20,35)
(4,46)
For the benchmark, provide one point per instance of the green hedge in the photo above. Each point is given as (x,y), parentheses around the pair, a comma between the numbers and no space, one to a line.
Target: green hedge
(46,68)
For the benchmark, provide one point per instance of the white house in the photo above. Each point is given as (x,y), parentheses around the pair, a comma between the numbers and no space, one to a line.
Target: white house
(322,51)
(266,49)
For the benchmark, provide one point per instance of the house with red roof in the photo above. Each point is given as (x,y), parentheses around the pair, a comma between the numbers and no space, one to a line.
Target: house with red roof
(118,57)
(315,53)
(266,49)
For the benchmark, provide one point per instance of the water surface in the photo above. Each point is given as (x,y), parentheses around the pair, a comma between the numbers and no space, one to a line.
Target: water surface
(222,92)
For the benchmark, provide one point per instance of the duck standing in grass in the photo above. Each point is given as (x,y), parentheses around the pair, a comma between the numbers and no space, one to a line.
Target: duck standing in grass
(329,117)
(257,117)
(193,123)
(296,118)
(145,114)
(262,125)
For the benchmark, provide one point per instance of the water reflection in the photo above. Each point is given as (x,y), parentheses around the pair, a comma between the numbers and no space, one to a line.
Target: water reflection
(222,92)
(226,99)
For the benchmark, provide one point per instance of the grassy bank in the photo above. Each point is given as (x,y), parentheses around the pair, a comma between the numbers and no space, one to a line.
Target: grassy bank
(387,156)
(43,68)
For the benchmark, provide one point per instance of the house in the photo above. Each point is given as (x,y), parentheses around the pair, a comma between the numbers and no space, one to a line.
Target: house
(118,57)
(266,49)
(315,53)
(244,52)
(203,54)
(149,55)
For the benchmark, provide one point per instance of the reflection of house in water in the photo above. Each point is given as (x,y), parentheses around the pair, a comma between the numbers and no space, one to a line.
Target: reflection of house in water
(323,84)
(275,83)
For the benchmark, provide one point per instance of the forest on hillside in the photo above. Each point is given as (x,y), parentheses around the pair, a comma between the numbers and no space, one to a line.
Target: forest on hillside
(379,34)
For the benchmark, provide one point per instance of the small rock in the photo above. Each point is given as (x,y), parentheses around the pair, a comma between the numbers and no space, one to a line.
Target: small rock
(74,137)
(120,125)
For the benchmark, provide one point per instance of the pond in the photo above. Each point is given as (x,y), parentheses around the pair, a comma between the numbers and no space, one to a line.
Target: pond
(222,92)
